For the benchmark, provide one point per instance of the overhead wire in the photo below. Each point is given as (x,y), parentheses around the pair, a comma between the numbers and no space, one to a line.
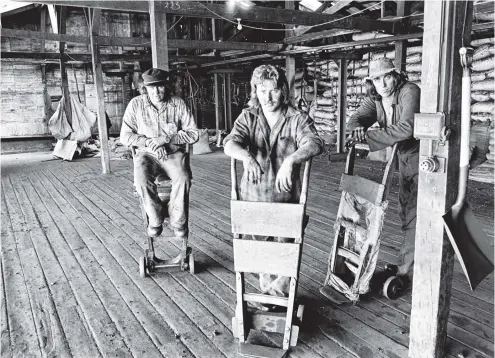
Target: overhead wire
(299,26)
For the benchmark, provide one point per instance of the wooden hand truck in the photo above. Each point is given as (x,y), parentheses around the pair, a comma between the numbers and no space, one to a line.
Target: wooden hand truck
(150,262)
(358,226)
(284,259)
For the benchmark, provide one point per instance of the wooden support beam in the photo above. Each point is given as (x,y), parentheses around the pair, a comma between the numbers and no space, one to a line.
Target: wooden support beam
(317,35)
(290,61)
(255,13)
(233,60)
(401,46)
(53,18)
(63,70)
(342,106)
(228,101)
(218,114)
(10,8)
(106,57)
(100,94)
(326,10)
(158,27)
(138,41)
(355,43)
(43,26)
(434,256)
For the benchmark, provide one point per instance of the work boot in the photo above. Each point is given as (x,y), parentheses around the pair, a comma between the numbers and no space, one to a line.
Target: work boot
(154,231)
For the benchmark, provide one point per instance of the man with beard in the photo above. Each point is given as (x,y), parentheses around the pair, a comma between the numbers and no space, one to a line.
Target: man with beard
(160,125)
(272,139)
(391,103)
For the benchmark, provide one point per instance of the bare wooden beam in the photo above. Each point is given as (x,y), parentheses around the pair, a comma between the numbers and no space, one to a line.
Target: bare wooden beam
(16,9)
(317,35)
(255,13)
(400,46)
(138,41)
(356,43)
(233,60)
(290,61)
(228,101)
(158,27)
(63,70)
(339,5)
(53,18)
(434,256)
(218,113)
(342,106)
(100,94)
(43,26)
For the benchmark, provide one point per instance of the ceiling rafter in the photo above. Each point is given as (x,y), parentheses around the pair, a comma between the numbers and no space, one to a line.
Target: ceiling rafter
(255,13)
(138,41)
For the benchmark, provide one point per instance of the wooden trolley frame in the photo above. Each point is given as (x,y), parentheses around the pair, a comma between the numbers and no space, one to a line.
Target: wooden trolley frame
(251,256)
(372,192)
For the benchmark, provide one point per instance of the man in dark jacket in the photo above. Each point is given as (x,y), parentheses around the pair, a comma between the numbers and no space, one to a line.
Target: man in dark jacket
(392,102)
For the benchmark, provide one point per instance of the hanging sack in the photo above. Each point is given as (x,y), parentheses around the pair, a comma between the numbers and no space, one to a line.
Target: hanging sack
(58,124)
(82,121)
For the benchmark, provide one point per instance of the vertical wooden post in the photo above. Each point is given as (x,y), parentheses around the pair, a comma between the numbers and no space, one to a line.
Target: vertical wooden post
(228,102)
(290,61)
(63,70)
(43,27)
(218,114)
(159,43)
(342,106)
(401,46)
(53,18)
(434,258)
(224,94)
(100,95)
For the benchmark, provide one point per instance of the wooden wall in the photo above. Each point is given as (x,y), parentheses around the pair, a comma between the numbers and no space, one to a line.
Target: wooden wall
(22,110)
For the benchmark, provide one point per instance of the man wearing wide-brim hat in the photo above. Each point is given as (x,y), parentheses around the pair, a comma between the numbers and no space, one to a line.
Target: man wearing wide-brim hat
(384,118)
(160,125)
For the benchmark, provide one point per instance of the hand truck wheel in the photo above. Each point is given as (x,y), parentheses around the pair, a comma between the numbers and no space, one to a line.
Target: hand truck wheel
(393,287)
(143,267)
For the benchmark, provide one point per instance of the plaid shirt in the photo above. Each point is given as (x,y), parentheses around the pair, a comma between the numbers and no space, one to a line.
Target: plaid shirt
(270,147)
(142,121)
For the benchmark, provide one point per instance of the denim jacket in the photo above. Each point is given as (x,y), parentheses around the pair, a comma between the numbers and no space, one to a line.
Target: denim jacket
(406,104)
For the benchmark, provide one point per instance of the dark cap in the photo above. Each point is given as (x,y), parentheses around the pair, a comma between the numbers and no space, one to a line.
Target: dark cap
(155,77)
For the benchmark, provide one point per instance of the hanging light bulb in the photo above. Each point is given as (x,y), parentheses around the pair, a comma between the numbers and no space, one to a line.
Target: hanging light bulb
(239,26)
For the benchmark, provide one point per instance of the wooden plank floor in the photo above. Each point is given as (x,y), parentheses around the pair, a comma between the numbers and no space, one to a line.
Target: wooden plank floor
(71,240)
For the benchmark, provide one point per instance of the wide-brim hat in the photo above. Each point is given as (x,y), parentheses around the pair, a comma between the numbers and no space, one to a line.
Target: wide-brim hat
(380,67)
(155,77)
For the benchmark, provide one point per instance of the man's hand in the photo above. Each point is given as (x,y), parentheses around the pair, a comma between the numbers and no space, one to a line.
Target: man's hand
(252,170)
(157,142)
(283,182)
(161,153)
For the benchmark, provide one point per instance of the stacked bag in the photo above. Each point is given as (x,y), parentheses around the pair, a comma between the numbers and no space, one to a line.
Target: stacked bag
(322,103)
(482,80)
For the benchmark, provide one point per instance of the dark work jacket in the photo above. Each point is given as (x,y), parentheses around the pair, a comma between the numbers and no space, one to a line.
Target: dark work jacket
(405,104)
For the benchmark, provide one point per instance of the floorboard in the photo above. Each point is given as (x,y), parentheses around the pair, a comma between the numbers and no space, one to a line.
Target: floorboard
(72,238)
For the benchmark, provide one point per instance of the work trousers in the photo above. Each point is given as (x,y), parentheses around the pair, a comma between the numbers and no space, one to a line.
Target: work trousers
(408,199)
(274,285)
(146,169)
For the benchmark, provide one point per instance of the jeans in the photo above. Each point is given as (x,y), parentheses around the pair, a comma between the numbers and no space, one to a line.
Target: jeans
(146,169)
(408,198)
